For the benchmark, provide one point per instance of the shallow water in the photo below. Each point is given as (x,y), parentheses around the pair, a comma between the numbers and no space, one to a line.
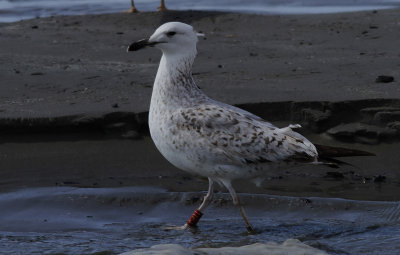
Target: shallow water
(13,10)
(66,220)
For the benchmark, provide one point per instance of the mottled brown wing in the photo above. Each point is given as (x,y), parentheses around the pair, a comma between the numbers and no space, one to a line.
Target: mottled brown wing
(241,138)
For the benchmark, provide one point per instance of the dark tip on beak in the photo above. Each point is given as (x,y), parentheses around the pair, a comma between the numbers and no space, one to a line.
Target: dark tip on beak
(139,45)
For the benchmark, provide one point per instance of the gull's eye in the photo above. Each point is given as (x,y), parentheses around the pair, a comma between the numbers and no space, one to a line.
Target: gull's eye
(170,34)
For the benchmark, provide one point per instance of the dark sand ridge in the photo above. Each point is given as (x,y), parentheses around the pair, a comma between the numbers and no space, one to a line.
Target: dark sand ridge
(71,77)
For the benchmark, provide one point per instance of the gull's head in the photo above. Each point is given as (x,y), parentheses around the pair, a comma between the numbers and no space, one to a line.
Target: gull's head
(172,38)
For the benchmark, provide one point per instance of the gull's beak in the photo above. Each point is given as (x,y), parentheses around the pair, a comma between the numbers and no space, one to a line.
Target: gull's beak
(140,44)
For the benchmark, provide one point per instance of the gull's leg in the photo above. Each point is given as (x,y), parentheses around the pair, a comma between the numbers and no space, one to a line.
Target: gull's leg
(192,222)
(133,8)
(162,6)
(207,198)
(236,201)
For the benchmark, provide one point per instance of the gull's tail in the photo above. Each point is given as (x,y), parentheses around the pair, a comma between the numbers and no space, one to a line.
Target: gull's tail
(327,155)
(325,152)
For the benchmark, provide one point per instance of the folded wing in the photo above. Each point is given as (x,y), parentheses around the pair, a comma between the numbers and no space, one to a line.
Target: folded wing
(240,137)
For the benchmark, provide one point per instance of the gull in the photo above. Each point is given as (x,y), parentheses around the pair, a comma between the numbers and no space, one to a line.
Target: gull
(205,137)
(160,8)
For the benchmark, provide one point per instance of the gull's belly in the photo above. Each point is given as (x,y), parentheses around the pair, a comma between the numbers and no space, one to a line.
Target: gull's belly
(196,156)
(166,141)
(197,161)
(171,147)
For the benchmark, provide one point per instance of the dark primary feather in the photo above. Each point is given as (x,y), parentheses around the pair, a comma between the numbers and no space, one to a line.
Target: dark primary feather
(325,151)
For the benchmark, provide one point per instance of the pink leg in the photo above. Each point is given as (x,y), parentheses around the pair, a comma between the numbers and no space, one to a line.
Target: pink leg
(192,222)
(194,219)
(133,8)
(236,201)
(162,6)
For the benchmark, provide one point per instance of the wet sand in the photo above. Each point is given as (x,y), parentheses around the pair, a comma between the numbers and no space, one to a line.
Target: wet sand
(111,162)
(69,65)
(73,103)
(67,220)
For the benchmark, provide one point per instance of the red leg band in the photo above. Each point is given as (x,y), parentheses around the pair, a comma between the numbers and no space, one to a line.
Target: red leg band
(194,218)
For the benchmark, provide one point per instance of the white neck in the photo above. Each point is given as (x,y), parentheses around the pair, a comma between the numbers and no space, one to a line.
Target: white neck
(174,83)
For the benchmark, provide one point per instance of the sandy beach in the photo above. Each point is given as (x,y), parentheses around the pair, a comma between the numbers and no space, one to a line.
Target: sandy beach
(71,94)
(78,64)
(73,102)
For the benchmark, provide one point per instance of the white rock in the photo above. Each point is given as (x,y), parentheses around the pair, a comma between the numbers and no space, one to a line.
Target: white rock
(289,247)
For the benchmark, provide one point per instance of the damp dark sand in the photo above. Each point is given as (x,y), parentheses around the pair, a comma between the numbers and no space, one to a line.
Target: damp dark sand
(73,103)
(73,107)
